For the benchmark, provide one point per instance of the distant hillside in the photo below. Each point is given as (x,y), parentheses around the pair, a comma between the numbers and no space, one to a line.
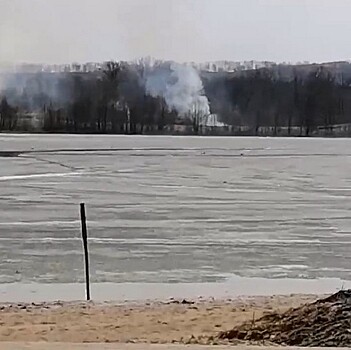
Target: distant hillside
(120,97)
(281,70)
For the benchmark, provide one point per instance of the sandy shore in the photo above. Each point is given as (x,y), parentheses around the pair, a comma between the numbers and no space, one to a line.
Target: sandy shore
(156,322)
(99,346)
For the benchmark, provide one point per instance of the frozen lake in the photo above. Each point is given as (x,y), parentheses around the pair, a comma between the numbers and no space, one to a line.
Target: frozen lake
(174,209)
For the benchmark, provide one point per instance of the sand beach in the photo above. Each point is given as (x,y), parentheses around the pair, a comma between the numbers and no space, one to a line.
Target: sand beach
(171,321)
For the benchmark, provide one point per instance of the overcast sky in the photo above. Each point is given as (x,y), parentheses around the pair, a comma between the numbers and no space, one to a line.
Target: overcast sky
(58,31)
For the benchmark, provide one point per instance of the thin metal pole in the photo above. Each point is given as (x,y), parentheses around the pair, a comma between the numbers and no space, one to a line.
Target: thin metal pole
(85,247)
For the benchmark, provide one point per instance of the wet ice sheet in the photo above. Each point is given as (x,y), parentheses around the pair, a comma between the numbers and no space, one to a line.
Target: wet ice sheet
(232,288)
(168,209)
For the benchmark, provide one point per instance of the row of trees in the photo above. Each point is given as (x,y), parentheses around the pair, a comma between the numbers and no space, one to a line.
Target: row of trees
(258,98)
(115,100)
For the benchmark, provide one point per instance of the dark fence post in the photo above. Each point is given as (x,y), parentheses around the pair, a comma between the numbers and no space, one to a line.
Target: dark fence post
(85,247)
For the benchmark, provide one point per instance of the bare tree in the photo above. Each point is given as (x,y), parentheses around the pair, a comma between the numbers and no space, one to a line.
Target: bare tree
(8,116)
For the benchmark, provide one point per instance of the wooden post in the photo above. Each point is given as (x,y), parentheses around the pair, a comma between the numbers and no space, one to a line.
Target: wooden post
(85,247)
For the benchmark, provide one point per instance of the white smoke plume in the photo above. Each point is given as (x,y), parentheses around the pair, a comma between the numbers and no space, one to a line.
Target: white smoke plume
(181,87)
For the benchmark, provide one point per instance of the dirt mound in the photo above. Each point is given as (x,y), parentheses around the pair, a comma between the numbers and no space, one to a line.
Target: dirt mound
(326,322)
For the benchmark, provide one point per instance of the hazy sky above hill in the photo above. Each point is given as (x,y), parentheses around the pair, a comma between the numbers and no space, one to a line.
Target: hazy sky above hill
(58,31)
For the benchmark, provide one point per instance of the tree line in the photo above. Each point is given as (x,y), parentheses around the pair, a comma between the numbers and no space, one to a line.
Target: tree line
(115,100)
(259,98)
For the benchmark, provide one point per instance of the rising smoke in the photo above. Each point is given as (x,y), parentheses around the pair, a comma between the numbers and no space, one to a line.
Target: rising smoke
(181,87)
(32,91)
